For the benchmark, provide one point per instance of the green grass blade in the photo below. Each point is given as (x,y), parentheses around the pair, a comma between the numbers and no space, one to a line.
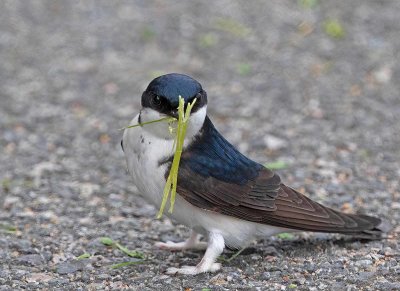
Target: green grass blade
(285,236)
(181,133)
(221,258)
(235,255)
(84,256)
(133,254)
(107,241)
(169,119)
(278,165)
(167,190)
(124,264)
(10,229)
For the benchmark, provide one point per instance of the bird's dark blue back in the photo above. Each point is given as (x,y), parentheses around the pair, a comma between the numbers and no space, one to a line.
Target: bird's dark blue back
(211,155)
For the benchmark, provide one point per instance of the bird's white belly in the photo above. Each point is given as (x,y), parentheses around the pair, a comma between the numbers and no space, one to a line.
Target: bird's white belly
(143,152)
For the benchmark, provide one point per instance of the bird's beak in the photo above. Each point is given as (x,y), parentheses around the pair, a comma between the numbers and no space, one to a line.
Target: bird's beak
(174,113)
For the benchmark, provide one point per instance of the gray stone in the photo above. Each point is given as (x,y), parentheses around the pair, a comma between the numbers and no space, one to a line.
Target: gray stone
(270,251)
(363,263)
(70,267)
(31,260)
(22,245)
(266,276)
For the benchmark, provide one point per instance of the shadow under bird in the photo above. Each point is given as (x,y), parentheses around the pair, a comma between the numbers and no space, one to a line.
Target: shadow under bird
(221,193)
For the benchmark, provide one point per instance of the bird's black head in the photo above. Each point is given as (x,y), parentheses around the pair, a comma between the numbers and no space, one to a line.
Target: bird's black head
(163,93)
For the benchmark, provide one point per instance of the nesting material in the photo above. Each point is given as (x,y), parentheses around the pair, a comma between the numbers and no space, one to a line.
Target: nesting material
(179,132)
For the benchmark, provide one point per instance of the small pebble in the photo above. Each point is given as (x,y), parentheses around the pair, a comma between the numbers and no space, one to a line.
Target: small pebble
(70,267)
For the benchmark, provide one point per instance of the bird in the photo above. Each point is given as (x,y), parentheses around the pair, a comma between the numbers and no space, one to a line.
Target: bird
(222,195)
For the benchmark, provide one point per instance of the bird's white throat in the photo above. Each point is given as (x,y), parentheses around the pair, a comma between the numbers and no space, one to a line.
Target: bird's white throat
(146,146)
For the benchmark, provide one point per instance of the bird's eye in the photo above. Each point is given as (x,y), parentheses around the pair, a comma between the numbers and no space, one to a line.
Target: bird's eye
(156,101)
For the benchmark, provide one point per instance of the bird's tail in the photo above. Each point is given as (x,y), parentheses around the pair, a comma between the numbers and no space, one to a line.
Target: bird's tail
(298,212)
(357,225)
(365,226)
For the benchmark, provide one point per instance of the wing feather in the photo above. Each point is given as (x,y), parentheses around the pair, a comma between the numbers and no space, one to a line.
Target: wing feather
(214,176)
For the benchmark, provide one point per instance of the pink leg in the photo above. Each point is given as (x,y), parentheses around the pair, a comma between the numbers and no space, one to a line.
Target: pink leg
(192,242)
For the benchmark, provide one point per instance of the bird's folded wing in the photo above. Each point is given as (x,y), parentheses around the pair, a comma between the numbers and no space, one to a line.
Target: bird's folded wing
(266,200)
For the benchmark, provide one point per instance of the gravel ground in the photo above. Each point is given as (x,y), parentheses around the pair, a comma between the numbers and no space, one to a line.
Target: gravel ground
(310,83)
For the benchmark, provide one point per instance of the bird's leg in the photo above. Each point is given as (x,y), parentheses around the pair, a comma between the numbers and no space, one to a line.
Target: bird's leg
(192,242)
(215,247)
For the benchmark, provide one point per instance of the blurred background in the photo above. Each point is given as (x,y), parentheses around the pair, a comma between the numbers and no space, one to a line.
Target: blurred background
(309,86)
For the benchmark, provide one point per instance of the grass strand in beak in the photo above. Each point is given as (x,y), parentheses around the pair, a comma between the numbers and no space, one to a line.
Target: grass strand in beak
(169,119)
(180,132)
(172,180)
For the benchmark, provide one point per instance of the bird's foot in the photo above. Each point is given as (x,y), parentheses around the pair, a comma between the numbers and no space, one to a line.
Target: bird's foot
(207,264)
(191,243)
(194,270)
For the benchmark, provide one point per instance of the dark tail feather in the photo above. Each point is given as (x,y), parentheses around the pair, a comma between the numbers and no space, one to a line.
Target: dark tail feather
(378,231)
(357,225)
(296,211)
